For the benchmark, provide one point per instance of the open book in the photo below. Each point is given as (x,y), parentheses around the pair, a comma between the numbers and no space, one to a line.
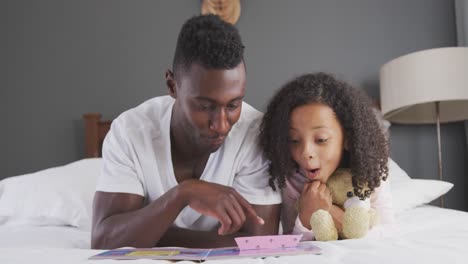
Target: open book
(259,246)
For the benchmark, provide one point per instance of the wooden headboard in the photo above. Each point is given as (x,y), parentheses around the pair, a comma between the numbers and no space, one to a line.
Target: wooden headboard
(96,130)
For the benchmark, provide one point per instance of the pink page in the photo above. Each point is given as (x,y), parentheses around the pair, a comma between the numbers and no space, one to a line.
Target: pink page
(268,242)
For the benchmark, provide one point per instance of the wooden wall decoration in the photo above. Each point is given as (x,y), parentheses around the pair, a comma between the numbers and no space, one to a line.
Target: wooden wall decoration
(228,10)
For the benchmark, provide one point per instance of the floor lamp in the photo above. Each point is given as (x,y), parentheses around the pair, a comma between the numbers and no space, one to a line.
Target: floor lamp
(426,87)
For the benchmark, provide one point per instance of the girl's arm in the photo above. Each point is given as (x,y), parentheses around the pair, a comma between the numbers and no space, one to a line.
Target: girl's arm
(315,196)
(382,202)
(288,213)
(337,214)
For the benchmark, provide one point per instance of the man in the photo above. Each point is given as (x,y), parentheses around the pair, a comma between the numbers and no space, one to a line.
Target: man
(186,169)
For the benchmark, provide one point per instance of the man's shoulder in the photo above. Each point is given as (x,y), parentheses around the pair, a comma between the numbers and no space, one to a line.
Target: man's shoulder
(249,116)
(247,127)
(146,115)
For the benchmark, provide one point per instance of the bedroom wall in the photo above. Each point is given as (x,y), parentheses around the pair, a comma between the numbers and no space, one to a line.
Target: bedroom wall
(65,58)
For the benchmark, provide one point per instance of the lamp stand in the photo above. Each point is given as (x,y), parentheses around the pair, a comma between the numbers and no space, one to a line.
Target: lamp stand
(439,147)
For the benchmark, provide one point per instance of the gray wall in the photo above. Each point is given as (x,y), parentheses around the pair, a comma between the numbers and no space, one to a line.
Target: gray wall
(65,58)
(461,14)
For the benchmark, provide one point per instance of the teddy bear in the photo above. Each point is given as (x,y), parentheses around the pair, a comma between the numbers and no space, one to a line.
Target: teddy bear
(358,216)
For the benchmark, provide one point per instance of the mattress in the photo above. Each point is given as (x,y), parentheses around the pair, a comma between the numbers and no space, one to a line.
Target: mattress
(427,234)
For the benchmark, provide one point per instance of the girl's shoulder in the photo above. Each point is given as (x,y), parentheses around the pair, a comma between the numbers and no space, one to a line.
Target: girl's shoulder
(382,192)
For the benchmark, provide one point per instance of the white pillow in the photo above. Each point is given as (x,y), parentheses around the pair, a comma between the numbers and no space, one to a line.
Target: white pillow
(56,196)
(395,173)
(409,193)
(415,192)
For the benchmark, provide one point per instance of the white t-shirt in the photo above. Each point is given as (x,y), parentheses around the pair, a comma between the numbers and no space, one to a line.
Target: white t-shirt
(137,159)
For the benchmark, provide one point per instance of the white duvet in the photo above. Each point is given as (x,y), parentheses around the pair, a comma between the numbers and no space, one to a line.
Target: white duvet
(427,235)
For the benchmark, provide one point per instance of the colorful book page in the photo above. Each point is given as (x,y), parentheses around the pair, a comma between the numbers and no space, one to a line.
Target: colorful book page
(251,247)
(268,242)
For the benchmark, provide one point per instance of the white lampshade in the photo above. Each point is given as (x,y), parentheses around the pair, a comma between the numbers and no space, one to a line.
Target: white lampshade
(411,84)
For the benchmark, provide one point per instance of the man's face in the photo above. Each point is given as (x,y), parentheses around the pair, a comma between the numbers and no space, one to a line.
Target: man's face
(209,103)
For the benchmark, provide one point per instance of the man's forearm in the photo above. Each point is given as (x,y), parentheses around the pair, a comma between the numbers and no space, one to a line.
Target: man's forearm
(120,220)
(208,239)
(181,237)
(140,228)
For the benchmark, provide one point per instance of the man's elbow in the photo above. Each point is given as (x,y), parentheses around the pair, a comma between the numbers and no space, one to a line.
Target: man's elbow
(98,240)
(96,243)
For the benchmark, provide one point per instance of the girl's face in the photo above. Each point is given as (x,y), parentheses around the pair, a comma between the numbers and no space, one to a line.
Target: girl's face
(316,140)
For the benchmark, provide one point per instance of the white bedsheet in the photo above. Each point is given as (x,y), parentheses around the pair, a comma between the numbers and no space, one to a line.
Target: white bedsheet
(18,236)
(427,235)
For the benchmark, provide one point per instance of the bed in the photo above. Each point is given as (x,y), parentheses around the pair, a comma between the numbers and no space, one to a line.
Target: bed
(45,217)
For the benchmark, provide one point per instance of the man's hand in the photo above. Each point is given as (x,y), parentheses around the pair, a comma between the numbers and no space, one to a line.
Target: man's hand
(221,202)
(315,196)
(122,219)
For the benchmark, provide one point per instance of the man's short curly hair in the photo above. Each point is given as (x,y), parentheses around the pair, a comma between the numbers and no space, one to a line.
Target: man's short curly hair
(367,152)
(209,41)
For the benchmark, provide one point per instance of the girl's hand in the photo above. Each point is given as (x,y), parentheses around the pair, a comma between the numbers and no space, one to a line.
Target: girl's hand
(315,196)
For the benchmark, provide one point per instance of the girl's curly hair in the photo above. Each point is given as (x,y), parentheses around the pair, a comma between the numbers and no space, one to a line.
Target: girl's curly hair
(367,153)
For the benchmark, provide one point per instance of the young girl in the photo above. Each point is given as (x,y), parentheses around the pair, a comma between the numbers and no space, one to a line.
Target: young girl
(314,125)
